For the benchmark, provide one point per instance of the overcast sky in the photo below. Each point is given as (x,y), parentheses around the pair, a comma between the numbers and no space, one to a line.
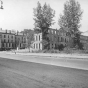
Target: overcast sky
(18,14)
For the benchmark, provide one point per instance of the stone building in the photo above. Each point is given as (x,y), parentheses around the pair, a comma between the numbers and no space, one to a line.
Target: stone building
(8,39)
(20,40)
(84,40)
(56,38)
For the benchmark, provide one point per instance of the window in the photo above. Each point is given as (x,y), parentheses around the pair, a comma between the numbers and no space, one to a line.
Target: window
(55,32)
(12,44)
(4,36)
(9,44)
(61,39)
(65,40)
(48,31)
(2,44)
(55,45)
(39,45)
(20,45)
(24,40)
(58,39)
(34,46)
(52,31)
(52,45)
(36,38)
(39,37)
(4,40)
(6,45)
(11,36)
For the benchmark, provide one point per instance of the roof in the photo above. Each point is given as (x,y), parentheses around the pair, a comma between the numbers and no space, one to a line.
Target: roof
(64,29)
(7,31)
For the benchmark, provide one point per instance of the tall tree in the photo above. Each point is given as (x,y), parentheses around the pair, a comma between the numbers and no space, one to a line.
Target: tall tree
(43,20)
(71,19)
(29,36)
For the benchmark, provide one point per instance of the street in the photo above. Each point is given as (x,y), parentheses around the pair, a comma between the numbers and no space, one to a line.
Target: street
(57,60)
(23,74)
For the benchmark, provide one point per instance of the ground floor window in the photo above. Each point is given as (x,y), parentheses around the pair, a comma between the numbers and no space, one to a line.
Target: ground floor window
(52,45)
(2,44)
(39,45)
(34,46)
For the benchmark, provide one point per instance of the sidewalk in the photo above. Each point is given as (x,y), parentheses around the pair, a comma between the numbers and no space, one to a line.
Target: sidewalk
(50,59)
(69,56)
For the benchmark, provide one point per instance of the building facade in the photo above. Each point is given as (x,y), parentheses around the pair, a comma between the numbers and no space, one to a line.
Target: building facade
(56,38)
(8,39)
(20,40)
(84,40)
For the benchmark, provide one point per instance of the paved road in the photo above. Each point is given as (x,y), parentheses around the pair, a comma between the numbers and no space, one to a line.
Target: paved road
(58,61)
(21,74)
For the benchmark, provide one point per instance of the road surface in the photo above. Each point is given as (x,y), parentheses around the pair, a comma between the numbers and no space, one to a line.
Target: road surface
(23,74)
(60,60)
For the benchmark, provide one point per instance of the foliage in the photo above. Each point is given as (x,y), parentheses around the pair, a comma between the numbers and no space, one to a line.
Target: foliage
(61,47)
(71,18)
(77,42)
(43,16)
(29,35)
(43,20)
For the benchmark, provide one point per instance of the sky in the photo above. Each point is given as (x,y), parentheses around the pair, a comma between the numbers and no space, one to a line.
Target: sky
(18,14)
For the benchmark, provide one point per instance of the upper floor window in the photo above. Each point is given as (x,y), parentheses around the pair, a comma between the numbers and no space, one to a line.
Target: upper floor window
(52,31)
(58,39)
(65,40)
(4,36)
(11,36)
(39,37)
(61,39)
(36,38)
(55,32)
(52,45)
(48,31)
(4,40)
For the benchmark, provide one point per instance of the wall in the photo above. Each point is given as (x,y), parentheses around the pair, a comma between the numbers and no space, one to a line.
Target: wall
(37,43)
